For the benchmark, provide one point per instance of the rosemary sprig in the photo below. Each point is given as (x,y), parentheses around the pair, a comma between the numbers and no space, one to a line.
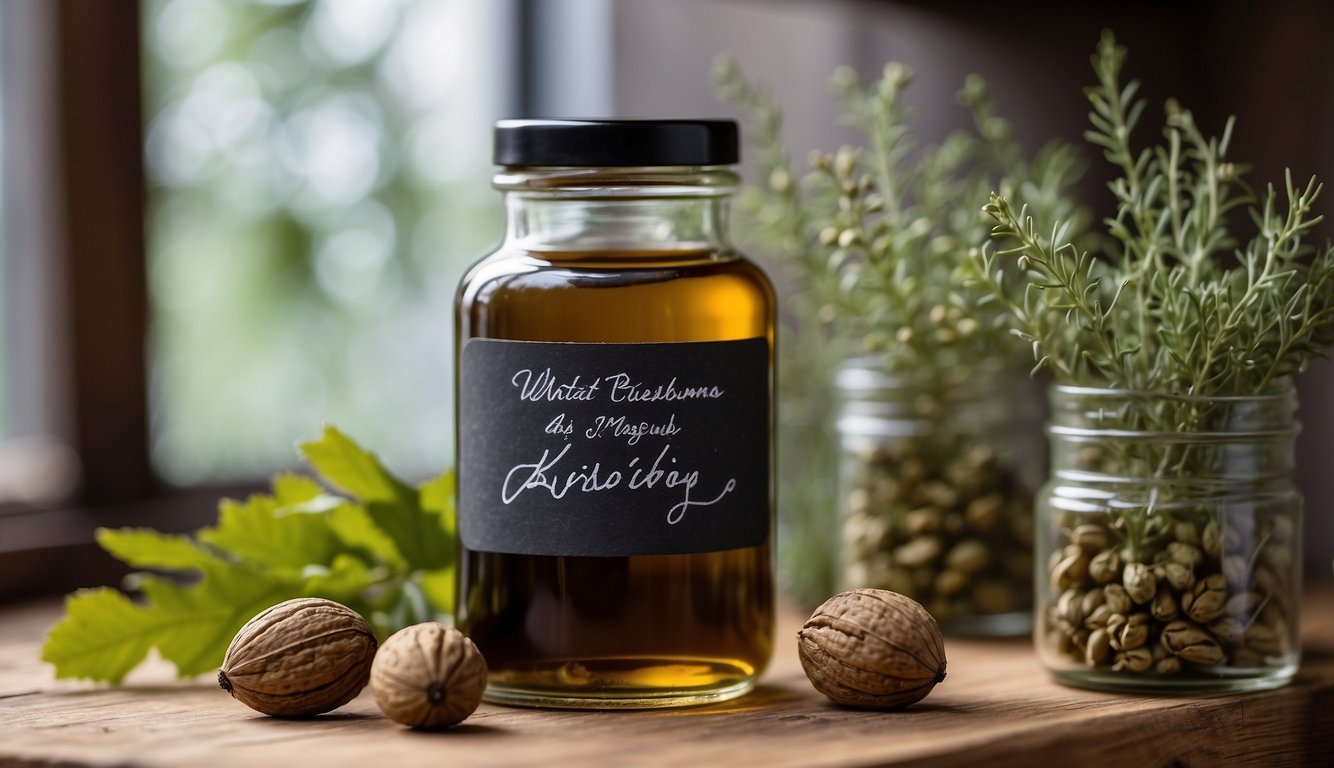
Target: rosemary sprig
(1172,304)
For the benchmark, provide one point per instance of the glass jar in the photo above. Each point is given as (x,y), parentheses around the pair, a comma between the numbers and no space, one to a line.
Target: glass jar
(615,377)
(936,483)
(1170,541)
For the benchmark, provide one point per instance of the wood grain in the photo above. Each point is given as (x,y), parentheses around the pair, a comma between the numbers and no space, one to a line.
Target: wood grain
(997,708)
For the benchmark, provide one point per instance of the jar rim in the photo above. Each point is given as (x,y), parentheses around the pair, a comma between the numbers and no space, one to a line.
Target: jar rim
(674,180)
(1284,388)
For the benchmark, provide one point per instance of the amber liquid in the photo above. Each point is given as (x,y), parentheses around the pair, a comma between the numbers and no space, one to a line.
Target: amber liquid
(644,631)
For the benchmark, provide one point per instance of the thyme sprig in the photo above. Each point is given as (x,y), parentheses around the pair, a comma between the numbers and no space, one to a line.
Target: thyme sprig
(1173,303)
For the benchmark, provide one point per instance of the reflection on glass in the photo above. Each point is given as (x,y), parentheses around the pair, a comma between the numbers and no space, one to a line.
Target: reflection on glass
(318,178)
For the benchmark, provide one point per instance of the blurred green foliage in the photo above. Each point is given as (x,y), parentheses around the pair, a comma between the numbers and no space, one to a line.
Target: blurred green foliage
(318,178)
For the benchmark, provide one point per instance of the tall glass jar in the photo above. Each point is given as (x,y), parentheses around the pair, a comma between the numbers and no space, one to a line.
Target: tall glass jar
(615,377)
(936,483)
(1170,541)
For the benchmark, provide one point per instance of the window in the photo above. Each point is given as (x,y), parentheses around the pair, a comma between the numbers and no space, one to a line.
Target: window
(318,178)
(316,175)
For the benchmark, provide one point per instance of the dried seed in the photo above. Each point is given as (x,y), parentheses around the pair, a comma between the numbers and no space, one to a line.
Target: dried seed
(1117,599)
(1139,582)
(1269,583)
(921,522)
(1168,666)
(1186,554)
(950,582)
(1070,606)
(1227,629)
(983,513)
(1104,566)
(1278,557)
(1098,650)
(1092,599)
(1133,634)
(1164,606)
(1191,643)
(918,552)
(1186,532)
(1114,624)
(1262,639)
(1134,660)
(1210,597)
(991,597)
(1179,576)
(1070,571)
(1097,618)
(1211,541)
(1242,605)
(1090,538)
(939,495)
(864,536)
(969,556)
(1236,570)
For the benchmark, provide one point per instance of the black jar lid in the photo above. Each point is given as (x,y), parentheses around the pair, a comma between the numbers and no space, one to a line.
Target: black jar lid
(604,143)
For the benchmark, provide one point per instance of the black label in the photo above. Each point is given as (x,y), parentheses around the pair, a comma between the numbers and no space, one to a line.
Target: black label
(613,449)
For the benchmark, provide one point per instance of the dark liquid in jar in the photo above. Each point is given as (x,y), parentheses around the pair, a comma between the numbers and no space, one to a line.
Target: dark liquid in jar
(666,626)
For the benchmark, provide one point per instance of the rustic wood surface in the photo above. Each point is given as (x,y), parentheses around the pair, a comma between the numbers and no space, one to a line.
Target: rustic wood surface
(997,708)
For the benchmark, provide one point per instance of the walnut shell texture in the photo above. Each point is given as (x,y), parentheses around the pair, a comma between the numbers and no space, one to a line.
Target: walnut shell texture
(299,658)
(872,648)
(428,676)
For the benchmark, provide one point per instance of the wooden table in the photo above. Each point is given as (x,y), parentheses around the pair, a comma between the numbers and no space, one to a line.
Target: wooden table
(997,708)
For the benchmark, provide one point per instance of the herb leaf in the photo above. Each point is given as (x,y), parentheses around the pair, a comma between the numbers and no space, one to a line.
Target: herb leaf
(1174,302)
(385,553)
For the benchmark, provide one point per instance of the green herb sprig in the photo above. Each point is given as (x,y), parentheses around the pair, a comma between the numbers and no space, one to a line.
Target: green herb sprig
(869,243)
(382,547)
(1174,303)
(876,236)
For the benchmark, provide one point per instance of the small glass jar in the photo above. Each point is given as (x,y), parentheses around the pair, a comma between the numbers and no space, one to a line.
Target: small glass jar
(936,482)
(615,390)
(1170,541)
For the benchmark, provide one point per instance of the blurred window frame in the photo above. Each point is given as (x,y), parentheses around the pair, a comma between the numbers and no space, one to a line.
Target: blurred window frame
(76,297)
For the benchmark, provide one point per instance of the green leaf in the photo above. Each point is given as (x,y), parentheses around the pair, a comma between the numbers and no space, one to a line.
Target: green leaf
(343,581)
(419,535)
(266,533)
(353,525)
(391,555)
(292,489)
(147,548)
(438,496)
(346,466)
(192,626)
(103,636)
(438,587)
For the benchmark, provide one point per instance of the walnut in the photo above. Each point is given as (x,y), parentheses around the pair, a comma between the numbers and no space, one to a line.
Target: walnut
(299,658)
(428,676)
(872,648)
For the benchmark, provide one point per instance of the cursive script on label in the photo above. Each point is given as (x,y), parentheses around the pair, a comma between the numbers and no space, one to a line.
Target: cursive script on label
(545,386)
(633,432)
(545,476)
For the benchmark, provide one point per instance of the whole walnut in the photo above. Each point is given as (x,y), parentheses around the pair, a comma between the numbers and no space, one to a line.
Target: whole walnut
(872,648)
(428,676)
(299,658)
